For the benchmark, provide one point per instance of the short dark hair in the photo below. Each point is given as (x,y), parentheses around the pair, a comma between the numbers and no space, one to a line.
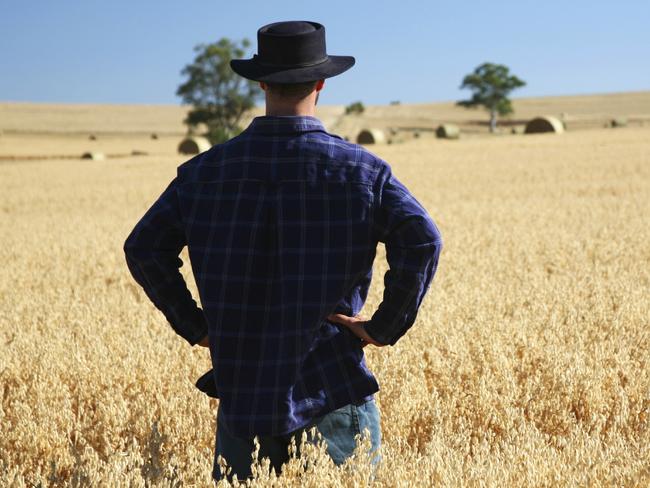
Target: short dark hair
(292,90)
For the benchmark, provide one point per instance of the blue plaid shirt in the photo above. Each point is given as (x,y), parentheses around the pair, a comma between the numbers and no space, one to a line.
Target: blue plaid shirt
(282,224)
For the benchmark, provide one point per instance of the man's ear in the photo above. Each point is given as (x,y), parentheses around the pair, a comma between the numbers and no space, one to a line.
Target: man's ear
(263,85)
(319,85)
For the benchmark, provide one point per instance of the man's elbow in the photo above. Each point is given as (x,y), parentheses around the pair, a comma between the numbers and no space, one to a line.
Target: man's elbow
(431,234)
(132,251)
(433,238)
(135,259)
(128,245)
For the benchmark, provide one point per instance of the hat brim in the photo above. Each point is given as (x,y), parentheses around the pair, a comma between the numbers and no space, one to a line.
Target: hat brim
(252,70)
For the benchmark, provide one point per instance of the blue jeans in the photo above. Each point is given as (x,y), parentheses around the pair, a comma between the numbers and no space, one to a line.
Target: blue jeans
(338,429)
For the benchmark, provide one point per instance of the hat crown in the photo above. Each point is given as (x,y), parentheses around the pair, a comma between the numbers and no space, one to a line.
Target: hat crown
(290,28)
(291,44)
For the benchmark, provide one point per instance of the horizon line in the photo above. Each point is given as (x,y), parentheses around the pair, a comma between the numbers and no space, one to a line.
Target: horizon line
(432,102)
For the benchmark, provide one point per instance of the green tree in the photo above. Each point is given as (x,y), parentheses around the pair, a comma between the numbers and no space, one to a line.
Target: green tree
(491,84)
(219,97)
(355,108)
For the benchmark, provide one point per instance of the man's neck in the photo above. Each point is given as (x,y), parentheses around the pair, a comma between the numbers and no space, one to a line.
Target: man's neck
(305,107)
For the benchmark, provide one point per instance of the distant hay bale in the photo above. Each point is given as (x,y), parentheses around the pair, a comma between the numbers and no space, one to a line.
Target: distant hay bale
(138,152)
(154,136)
(371,136)
(194,145)
(618,122)
(94,156)
(540,125)
(447,131)
(92,137)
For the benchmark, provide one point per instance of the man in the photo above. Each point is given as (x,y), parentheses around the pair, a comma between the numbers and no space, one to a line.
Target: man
(281,224)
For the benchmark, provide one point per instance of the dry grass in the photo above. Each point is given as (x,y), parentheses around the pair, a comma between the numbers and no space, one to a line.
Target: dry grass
(528,364)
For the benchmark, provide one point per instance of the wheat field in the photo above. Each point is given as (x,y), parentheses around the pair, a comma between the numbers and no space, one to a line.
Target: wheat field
(528,364)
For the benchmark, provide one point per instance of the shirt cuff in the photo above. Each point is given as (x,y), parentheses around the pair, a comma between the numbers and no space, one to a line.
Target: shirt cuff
(194,333)
(375,334)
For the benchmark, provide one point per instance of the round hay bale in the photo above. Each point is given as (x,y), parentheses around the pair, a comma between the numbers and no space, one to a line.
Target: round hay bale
(94,156)
(618,122)
(540,125)
(371,136)
(92,137)
(194,145)
(448,131)
(154,136)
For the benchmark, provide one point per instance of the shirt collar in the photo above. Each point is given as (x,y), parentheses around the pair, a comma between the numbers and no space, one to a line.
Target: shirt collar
(286,124)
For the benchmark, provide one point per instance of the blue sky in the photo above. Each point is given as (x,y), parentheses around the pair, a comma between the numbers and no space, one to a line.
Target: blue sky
(414,51)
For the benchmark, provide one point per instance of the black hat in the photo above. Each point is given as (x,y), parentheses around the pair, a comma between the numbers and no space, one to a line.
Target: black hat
(291,52)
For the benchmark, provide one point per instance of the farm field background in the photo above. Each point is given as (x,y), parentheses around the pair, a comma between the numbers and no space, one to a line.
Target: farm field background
(528,364)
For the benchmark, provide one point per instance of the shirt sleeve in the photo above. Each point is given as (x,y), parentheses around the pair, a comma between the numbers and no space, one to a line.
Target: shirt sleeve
(152,255)
(413,244)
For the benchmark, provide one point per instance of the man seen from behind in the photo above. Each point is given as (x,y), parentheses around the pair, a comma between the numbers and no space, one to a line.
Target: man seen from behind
(282,224)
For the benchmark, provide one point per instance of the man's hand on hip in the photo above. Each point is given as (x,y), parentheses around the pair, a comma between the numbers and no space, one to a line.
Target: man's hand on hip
(356,326)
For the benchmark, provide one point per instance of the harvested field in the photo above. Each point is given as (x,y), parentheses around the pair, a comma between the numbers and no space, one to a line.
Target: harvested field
(528,364)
